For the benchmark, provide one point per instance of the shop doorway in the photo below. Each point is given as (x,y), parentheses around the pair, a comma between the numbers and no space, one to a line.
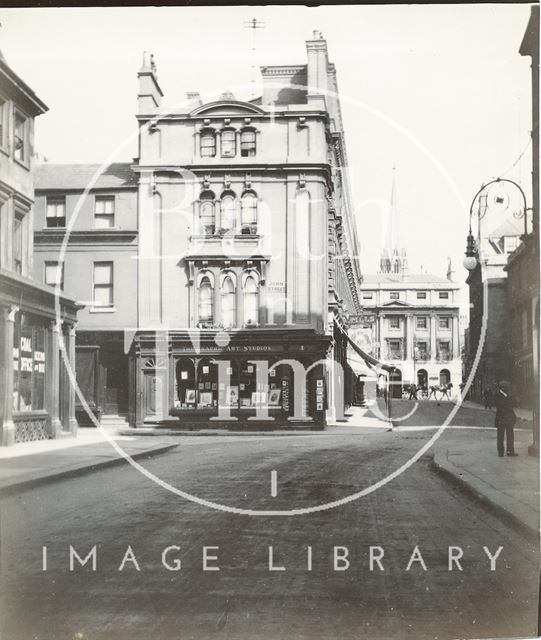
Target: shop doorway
(114,379)
(151,392)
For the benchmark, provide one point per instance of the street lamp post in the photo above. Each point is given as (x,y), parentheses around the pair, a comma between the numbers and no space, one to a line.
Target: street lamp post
(470,261)
(415,357)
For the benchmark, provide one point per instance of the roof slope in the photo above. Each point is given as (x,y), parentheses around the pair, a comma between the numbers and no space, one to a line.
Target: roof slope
(414,278)
(48,176)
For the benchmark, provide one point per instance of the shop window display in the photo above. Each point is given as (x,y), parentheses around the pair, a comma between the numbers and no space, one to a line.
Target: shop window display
(29,359)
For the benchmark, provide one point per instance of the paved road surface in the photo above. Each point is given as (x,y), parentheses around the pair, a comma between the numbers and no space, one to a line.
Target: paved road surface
(244,600)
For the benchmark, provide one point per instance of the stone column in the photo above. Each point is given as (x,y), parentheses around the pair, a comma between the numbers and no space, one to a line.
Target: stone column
(331,384)
(380,337)
(456,338)
(8,427)
(72,421)
(139,382)
(433,349)
(53,383)
(409,338)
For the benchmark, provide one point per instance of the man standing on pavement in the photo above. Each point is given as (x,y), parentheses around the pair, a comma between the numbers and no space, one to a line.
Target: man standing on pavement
(505,419)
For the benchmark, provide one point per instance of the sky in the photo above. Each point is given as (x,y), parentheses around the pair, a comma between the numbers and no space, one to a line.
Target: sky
(438,91)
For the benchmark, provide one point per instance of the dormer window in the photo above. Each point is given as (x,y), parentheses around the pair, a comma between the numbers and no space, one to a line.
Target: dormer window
(208,144)
(247,143)
(228,143)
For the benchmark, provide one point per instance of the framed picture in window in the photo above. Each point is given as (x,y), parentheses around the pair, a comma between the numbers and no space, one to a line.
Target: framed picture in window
(205,370)
(233,396)
(205,399)
(242,387)
(201,386)
(190,396)
(207,385)
(272,373)
(183,375)
(245,402)
(274,397)
(214,386)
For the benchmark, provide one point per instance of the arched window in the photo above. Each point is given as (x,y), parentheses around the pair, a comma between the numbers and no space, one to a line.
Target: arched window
(229,308)
(251,301)
(248,213)
(206,306)
(247,143)
(228,212)
(229,143)
(445,376)
(208,144)
(207,214)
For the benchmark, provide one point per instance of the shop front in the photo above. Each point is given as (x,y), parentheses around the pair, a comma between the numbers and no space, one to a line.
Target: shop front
(37,397)
(248,379)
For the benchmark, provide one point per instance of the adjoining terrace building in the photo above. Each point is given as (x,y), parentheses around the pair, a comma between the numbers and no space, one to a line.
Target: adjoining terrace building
(37,401)
(229,240)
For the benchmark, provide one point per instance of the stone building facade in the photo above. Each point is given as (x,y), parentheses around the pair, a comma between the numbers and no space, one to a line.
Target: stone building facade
(98,267)
(523,263)
(38,329)
(412,324)
(489,309)
(245,260)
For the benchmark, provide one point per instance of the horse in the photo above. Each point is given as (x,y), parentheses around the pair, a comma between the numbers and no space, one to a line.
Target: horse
(444,389)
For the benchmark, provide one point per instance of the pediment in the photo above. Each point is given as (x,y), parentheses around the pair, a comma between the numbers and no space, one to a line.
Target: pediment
(398,304)
(227,107)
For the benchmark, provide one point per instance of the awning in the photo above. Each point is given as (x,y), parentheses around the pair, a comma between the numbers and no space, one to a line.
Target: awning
(358,365)
(370,362)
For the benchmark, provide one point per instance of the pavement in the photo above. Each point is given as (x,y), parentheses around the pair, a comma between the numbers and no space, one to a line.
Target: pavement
(120,509)
(30,464)
(509,486)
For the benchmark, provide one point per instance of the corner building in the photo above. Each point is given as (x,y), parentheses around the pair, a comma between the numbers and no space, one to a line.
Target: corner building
(36,399)
(247,251)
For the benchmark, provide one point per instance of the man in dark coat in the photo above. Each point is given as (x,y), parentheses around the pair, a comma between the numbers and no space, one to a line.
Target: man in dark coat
(505,419)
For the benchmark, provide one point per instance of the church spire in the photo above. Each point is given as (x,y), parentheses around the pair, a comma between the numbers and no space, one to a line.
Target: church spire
(393,257)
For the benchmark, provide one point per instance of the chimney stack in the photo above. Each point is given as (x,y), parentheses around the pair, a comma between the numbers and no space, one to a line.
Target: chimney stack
(194,99)
(318,66)
(150,95)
